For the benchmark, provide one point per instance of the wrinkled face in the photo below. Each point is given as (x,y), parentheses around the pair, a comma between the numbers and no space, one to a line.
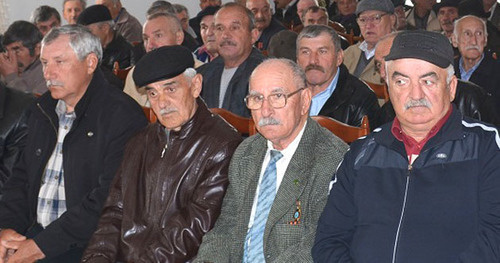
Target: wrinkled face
(46,26)
(471,38)
(302,6)
(318,58)
(157,33)
(234,39)
(174,100)
(346,7)
(22,53)
(67,77)
(207,31)
(399,12)
(280,126)
(381,51)
(318,18)
(262,12)
(281,3)
(184,18)
(446,16)
(425,4)
(419,93)
(99,31)
(205,3)
(372,30)
(71,11)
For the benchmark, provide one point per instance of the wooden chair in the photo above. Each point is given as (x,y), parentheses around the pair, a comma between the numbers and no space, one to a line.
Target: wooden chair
(345,132)
(338,27)
(245,126)
(120,73)
(380,91)
(150,114)
(351,38)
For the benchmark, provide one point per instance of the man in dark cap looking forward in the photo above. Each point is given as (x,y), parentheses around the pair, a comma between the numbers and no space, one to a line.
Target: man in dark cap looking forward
(423,188)
(169,189)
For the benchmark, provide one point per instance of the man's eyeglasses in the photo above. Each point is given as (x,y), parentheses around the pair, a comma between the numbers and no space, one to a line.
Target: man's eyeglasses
(362,21)
(276,100)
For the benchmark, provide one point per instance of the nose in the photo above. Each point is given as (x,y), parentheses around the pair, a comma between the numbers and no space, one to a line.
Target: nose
(313,58)
(150,44)
(211,30)
(266,109)
(416,91)
(48,73)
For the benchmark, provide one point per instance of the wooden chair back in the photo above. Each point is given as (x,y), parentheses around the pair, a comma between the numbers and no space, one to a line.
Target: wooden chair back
(351,38)
(345,132)
(338,27)
(150,114)
(245,126)
(120,73)
(380,91)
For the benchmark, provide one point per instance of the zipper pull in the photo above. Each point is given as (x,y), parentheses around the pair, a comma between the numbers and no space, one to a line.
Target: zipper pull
(164,149)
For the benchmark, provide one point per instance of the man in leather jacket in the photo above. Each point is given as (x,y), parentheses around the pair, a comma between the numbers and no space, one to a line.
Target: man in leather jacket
(169,189)
(336,93)
(13,128)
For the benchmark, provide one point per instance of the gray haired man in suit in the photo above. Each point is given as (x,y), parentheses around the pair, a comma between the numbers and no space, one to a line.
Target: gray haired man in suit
(279,178)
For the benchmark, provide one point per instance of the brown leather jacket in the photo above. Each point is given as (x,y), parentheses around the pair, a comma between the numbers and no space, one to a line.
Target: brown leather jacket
(163,200)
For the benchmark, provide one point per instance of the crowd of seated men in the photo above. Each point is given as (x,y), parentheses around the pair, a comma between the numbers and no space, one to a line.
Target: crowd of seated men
(86,176)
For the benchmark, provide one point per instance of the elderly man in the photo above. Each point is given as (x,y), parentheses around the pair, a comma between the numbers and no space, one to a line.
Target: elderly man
(447,12)
(286,12)
(376,19)
(315,15)
(181,189)
(336,93)
(346,15)
(423,188)
(20,66)
(13,128)
(209,50)
(45,18)
(302,6)
(72,9)
(267,25)
(225,79)
(114,46)
(182,14)
(194,22)
(76,137)
(474,64)
(125,24)
(278,179)
(421,16)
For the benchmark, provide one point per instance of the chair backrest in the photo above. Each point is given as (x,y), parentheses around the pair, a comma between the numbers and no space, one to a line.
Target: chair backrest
(120,73)
(380,91)
(345,132)
(351,38)
(245,126)
(150,114)
(338,27)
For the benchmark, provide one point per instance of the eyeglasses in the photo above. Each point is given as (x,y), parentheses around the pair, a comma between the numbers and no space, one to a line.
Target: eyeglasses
(277,100)
(362,21)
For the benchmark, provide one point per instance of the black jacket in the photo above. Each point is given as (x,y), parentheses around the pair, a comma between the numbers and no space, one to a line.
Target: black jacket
(92,151)
(237,88)
(13,128)
(265,37)
(351,100)
(118,50)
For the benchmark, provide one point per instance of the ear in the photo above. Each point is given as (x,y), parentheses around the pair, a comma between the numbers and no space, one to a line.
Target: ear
(255,35)
(92,62)
(179,37)
(340,57)
(454,40)
(453,87)
(306,101)
(196,85)
(393,21)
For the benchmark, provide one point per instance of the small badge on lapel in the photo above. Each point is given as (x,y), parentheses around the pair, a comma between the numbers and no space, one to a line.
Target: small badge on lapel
(297,214)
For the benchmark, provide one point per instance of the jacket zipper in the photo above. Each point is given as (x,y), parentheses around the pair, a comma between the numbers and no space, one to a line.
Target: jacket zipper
(396,240)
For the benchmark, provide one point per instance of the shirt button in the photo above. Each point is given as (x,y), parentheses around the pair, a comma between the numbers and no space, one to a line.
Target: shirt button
(38,152)
(56,177)
(48,202)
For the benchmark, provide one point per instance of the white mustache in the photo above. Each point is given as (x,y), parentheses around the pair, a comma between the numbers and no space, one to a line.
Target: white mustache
(417,103)
(54,83)
(167,111)
(472,47)
(268,121)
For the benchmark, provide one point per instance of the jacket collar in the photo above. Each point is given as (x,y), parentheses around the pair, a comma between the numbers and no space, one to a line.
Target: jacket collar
(340,95)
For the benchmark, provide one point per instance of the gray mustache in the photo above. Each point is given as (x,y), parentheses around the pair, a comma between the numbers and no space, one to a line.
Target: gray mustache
(417,103)
(167,111)
(268,121)
(54,83)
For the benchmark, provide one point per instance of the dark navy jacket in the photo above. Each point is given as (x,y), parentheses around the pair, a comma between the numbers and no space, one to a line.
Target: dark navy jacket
(445,207)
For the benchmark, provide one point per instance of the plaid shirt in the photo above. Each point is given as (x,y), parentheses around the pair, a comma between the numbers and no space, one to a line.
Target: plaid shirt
(52,198)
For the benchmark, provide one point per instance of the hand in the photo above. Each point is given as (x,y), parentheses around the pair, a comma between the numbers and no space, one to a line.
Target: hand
(6,236)
(27,251)
(8,63)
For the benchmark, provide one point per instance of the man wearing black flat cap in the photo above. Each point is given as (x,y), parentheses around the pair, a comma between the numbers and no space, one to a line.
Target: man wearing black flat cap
(447,12)
(168,192)
(423,188)
(115,47)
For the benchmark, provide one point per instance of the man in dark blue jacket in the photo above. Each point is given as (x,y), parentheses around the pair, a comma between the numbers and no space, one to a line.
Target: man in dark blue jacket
(76,136)
(425,187)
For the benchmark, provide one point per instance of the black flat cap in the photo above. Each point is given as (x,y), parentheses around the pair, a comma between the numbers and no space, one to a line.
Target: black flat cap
(94,14)
(398,2)
(445,3)
(162,63)
(432,47)
(379,5)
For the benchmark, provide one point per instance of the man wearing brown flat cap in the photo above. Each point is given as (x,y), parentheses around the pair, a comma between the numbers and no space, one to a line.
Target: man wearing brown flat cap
(168,191)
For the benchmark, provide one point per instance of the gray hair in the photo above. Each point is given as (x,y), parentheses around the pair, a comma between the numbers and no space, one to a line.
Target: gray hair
(313,31)
(83,2)
(458,21)
(190,73)
(315,9)
(81,40)
(160,6)
(450,72)
(250,15)
(178,8)
(44,13)
(175,24)
(299,76)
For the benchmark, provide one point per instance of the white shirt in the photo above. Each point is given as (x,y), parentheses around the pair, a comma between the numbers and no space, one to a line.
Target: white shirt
(281,166)
(368,53)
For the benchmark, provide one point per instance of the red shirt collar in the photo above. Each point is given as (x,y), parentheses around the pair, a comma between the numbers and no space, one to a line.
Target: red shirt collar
(411,145)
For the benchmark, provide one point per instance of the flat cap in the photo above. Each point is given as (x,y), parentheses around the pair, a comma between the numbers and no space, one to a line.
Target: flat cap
(429,46)
(445,3)
(283,45)
(94,14)
(379,5)
(397,3)
(162,63)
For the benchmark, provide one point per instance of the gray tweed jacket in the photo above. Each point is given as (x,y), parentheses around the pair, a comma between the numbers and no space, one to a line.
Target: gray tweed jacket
(306,180)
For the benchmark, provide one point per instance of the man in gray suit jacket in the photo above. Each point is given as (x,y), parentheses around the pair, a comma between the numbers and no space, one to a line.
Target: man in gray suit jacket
(278,225)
